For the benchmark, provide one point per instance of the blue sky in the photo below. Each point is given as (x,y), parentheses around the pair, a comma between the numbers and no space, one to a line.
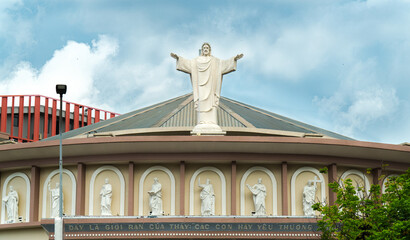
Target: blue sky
(340,65)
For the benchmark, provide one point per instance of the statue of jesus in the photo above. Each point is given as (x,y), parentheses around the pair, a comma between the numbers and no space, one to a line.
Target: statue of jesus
(206,77)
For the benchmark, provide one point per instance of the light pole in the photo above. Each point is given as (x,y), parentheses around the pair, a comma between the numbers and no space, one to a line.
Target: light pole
(61,90)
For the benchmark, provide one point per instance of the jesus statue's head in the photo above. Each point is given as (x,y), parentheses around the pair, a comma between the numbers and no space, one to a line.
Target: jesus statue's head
(206,49)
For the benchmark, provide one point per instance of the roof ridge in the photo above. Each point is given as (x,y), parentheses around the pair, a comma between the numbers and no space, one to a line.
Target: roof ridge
(174,112)
(263,111)
(141,112)
(266,114)
(236,115)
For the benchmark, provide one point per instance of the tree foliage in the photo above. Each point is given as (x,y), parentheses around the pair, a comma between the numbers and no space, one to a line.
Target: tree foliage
(358,214)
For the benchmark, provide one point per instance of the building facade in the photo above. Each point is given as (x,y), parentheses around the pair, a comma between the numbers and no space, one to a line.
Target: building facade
(252,183)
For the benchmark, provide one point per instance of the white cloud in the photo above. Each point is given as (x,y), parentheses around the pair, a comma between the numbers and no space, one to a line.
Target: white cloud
(9,4)
(14,28)
(128,85)
(352,55)
(76,65)
(353,111)
(296,52)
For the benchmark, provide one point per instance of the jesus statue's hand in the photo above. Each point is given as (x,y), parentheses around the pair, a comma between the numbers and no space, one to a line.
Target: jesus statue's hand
(239,56)
(174,56)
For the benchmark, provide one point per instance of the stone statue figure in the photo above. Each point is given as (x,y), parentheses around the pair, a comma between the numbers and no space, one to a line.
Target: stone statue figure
(11,201)
(55,200)
(155,198)
(207,198)
(106,194)
(359,191)
(206,77)
(309,193)
(259,193)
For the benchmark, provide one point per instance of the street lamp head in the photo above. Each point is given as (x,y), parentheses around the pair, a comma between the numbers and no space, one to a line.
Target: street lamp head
(61,89)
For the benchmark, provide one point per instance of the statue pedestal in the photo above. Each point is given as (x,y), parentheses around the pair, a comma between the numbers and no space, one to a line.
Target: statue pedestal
(207,129)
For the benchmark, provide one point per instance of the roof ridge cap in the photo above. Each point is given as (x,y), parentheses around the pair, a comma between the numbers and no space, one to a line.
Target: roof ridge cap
(266,114)
(174,112)
(138,113)
(236,115)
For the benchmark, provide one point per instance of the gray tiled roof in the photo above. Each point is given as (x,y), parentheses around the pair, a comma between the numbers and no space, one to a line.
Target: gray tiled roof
(179,113)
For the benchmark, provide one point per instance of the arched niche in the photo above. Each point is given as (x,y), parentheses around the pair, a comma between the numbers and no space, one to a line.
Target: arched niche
(385,181)
(192,183)
(274,188)
(92,185)
(73,190)
(141,188)
(4,193)
(360,175)
(293,186)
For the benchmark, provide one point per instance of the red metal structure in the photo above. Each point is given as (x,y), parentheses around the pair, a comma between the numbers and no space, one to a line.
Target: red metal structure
(26,122)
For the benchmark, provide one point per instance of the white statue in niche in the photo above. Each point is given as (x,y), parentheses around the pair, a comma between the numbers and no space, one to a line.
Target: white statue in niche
(106,194)
(206,73)
(359,191)
(11,201)
(207,198)
(155,198)
(309,193)
(55,200)
(259,194)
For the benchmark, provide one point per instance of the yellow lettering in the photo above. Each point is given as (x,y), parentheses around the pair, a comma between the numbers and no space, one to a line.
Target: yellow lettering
(260,226)
(204,226)
(156,226)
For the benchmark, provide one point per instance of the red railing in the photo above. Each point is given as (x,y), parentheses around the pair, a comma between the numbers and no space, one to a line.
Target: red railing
(88,115)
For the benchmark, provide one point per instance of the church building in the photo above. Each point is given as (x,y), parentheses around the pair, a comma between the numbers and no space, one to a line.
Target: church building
(198,166)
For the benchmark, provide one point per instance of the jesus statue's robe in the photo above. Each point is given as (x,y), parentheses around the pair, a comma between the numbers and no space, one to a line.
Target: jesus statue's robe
(206,78)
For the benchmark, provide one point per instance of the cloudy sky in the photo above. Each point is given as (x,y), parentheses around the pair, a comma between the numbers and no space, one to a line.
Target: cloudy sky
(340,65)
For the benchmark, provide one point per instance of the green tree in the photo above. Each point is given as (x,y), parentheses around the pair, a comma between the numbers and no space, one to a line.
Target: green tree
(357,214)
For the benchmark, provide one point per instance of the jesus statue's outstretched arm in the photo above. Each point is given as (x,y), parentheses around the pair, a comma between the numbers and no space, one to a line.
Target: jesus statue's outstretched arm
(229,65)
(184,65)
